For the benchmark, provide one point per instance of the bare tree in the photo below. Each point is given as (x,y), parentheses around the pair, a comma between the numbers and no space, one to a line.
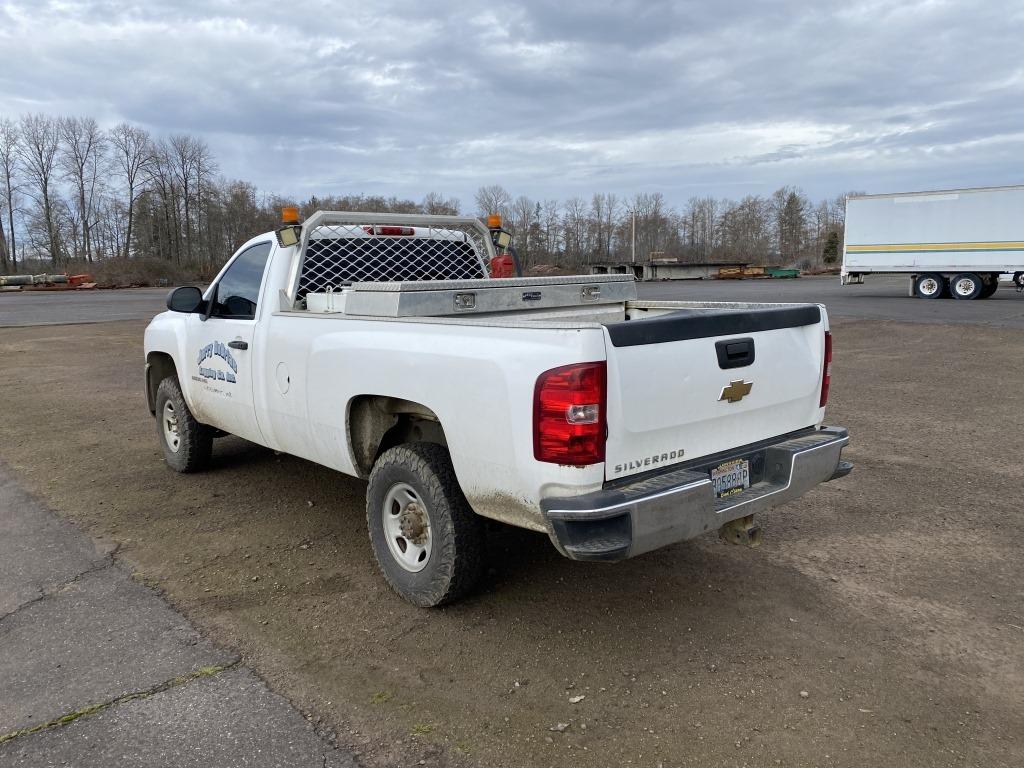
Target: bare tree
(524,212)
(3,248)
(574,227)
(83,153)
(435,203)
(745,232)
(165,225)
(37,151)
(205,167)
(181,151)
(603,211)
(9,137)
(494,199)
(549,223)
(133,152)
(701,226)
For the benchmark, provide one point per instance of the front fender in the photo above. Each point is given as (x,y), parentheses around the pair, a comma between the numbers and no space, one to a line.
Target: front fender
(167,336)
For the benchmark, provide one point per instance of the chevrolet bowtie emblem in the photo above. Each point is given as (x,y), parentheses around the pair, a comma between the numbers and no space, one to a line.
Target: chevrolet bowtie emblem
(736,390)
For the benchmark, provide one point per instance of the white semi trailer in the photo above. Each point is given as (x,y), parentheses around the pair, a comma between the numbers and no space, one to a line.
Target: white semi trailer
(956,242)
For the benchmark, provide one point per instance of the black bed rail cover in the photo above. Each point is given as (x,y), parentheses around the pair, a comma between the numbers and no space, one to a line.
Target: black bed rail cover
(704,323)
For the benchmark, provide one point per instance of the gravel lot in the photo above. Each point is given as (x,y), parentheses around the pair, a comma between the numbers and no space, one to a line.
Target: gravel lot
(893,598)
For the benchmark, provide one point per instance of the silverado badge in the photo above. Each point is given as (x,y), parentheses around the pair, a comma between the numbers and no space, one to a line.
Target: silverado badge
(736,390)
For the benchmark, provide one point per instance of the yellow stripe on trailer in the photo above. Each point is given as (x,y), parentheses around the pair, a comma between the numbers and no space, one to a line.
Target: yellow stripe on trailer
(1003,245)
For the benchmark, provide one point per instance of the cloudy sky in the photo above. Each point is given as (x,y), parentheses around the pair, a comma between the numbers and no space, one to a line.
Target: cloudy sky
(549,99)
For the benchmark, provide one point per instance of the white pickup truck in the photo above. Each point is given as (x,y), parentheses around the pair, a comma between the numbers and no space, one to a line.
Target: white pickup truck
(378,345)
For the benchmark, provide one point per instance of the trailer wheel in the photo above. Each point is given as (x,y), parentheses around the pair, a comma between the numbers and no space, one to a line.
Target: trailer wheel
(929,286)
(990,287)
(1018,279)
(187,444)
(427,540)
(966,286)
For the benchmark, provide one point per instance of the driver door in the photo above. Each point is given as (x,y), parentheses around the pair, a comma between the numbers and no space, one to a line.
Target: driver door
(220,347)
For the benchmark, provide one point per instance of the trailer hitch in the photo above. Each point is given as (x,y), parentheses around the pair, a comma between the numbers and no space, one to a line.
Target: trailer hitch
(742,530)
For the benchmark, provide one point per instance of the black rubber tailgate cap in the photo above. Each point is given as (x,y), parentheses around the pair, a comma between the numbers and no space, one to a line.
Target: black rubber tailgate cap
(701,324)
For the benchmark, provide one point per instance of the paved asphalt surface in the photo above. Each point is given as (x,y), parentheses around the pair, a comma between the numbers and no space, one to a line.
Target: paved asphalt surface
(881,298)
(60,307)
(97,670)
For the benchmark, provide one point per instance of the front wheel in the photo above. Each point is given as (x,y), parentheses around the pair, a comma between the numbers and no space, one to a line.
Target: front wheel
(427,540)
(187,444)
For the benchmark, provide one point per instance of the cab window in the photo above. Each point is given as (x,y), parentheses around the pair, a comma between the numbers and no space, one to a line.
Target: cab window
(239,288)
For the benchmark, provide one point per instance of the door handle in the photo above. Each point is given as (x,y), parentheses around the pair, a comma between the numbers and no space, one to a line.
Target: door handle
(238,344)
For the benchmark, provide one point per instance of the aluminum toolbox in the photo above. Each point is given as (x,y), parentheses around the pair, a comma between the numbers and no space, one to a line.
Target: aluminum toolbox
(467,297)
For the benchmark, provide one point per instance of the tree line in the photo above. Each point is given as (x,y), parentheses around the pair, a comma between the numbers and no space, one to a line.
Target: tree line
(783,228)
(72,193)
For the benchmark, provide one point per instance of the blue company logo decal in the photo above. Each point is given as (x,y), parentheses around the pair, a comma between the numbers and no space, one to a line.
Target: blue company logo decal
(219,350)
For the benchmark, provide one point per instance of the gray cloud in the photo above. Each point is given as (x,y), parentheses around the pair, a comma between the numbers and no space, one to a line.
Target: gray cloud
(549,99)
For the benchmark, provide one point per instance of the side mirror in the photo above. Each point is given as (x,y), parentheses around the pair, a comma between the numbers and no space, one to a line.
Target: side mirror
(186,299)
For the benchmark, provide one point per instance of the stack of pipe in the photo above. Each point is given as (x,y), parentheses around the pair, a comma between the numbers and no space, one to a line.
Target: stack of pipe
(20,280)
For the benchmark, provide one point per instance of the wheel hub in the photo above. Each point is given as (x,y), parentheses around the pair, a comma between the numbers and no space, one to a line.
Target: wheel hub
(413,523)
(406,523)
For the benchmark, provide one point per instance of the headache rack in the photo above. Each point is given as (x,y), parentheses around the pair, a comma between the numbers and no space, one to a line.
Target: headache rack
(338,249)
(408,265)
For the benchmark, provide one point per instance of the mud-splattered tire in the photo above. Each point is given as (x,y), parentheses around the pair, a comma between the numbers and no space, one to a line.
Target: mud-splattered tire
(186,443)
(427,540)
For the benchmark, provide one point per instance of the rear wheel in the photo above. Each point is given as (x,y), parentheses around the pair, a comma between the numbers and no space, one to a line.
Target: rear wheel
(427,540)
(966,286)
(1018,280)
(990,287)
(186,443)
(929,286)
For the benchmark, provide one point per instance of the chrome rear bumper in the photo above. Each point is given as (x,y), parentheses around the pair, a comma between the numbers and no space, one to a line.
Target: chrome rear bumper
(628,520)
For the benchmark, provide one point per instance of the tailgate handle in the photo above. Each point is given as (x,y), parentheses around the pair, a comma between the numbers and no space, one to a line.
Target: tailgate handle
(735,353)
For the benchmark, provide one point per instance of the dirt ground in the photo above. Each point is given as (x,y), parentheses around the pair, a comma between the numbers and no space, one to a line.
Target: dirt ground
(894,598)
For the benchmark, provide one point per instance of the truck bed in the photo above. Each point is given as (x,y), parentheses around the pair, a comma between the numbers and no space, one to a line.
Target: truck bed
(665,366)
(591,300)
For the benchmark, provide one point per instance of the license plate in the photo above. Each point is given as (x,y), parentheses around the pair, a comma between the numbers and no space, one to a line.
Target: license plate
(731,477)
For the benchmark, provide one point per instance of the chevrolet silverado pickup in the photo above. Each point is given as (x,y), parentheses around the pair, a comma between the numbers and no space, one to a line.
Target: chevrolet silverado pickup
(379,345)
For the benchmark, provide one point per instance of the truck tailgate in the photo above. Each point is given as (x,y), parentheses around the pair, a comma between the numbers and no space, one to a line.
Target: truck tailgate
(697,381)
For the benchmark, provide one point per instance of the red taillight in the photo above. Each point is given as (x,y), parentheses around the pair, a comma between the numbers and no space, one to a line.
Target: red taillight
(569,414)
(826,370)
(391,231)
